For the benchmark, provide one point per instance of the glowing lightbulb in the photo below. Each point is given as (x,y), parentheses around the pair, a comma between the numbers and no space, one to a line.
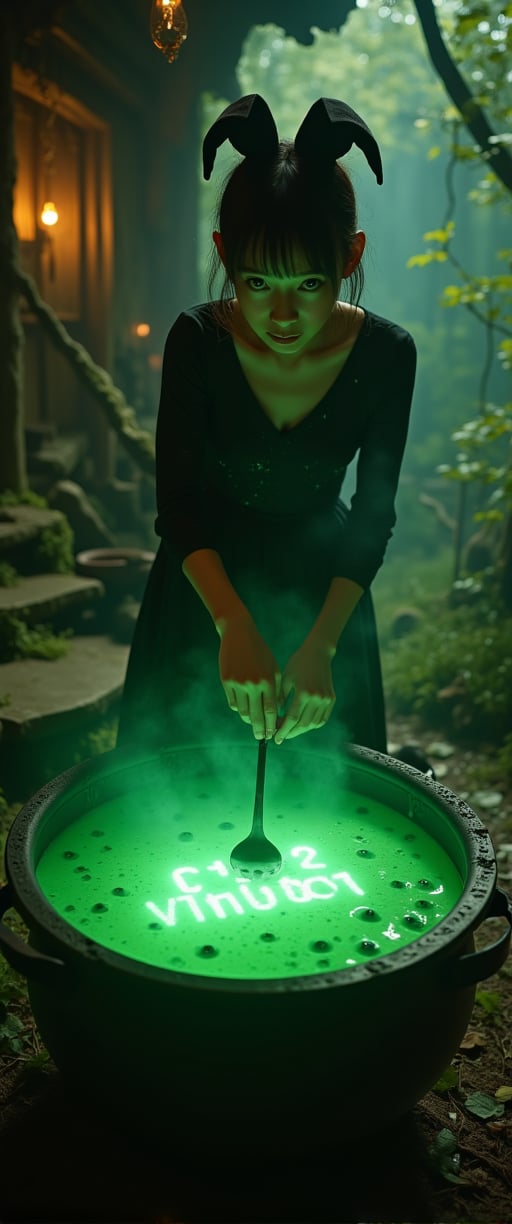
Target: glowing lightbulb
(168,26)
(49,214)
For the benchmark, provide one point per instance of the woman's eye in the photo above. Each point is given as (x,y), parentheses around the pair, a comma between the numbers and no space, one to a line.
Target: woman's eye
(313,282)
(255,282)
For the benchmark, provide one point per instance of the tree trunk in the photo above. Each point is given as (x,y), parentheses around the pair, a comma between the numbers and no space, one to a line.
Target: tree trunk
(12,448)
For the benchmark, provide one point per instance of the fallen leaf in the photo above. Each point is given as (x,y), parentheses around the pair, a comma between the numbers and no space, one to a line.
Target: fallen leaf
(448,1079)
(483,1106)
(471,1040)
(504,1093)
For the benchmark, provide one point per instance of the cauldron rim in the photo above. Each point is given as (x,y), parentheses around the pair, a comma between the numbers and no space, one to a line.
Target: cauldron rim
(43,921)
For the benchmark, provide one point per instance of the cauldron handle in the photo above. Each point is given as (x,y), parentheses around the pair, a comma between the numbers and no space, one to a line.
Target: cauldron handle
(477,966)
(26,960)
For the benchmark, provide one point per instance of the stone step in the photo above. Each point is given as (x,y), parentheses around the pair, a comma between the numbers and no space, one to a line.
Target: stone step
(60,695)
(43,598)
(21,524)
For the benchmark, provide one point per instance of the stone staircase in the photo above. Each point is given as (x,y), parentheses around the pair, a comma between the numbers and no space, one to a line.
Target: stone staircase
(47,702)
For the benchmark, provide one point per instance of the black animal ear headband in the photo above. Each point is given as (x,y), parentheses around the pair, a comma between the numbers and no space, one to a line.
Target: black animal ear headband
(328,131)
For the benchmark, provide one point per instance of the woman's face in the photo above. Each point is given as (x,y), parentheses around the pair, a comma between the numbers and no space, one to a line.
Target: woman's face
(290,313)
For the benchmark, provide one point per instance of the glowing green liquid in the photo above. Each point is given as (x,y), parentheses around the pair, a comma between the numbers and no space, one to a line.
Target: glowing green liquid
(148,875)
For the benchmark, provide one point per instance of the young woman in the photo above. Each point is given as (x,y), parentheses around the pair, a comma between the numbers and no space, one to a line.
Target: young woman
(257,614)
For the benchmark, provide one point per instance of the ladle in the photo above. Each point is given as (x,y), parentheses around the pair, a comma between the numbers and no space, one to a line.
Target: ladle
(256,857)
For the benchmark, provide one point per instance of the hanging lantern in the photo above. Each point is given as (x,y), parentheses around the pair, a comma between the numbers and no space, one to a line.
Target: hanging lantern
(168,27)
(49,214)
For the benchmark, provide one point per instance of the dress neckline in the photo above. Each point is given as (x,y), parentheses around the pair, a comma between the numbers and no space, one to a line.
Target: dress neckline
(287,429)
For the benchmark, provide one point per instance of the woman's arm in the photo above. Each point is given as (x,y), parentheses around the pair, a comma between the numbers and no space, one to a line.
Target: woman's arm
(205,571)
(342,598)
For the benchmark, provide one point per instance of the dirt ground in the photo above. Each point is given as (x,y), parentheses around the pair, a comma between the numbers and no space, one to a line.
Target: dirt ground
(61,1162)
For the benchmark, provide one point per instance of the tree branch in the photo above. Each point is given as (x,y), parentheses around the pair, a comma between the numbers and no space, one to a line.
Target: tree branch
(121,418)
(474,119)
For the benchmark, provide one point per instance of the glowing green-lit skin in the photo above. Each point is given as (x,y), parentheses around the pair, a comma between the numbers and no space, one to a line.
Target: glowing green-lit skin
(150,878)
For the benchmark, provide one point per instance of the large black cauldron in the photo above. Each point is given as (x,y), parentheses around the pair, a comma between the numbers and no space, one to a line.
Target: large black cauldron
(202,1058)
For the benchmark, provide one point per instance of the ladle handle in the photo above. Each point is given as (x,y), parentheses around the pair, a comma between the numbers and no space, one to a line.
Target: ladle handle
(257,819)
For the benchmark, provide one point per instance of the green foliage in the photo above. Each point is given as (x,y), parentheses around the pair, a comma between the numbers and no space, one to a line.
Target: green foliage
(505,757)
(27,498)
(21,641)
(485,458)
(55,550)
(449,1079)
(465,650)
(490,1001)
(444,1156)
(8,575)
(11,1029)
(479,37)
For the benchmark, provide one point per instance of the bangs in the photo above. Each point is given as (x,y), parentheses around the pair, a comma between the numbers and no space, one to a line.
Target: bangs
(278,251)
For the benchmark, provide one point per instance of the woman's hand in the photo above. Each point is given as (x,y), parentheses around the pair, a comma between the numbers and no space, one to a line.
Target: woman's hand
(309,673)
(250,675)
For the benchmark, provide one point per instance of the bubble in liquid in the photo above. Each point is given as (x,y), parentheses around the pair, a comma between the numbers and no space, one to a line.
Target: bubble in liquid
(226,824)
(68,909)
(320,945)
(424,884)
(154,926)
(80,868)
(414,920)
(362,811)
(120,892)
(99,908)
(107,847)
(186,837)
(365,853)
(368,946)
(69,854)
(97,833)
(86,877)
(397,884)
(207,951)
(323,963)
(423,903)
(268,936)
(366,914)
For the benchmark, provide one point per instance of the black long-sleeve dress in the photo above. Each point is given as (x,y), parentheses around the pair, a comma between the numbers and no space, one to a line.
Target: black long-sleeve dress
(269,502)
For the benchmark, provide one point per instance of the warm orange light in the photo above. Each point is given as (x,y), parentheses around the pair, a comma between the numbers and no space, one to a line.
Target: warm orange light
(49,214)
(168,26)
(141,329)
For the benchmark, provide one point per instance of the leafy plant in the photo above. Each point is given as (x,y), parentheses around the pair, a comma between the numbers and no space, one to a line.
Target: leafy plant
(455,669)
(21,641)
(8,575)
(26,498)
(490,1001)
(444,1157)
(55,548)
